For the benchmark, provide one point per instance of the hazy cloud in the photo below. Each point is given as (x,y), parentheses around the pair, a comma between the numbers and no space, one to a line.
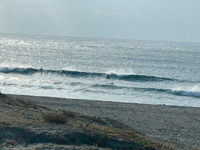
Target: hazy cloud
(136,19)
(2,7)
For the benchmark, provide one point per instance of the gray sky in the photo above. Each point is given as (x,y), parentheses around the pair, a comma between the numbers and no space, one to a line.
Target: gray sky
(172,20)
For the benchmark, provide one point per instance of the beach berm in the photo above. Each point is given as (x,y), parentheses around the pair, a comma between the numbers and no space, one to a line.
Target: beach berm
(27,124)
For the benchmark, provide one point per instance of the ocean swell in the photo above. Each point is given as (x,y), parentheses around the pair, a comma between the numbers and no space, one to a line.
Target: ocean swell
(78,74)
(194,94)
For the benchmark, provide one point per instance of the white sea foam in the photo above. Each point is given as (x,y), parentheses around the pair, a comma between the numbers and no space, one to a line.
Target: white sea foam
(189,88)
(121,71)
(13,65)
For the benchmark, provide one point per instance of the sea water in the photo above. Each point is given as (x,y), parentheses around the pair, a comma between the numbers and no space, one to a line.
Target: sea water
(121,70)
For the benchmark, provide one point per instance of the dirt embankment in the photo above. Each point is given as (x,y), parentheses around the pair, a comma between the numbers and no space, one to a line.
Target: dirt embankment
(26,125)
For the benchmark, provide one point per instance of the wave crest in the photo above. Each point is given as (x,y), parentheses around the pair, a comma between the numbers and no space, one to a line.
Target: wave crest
(141,78)
(78,74)
(152,90)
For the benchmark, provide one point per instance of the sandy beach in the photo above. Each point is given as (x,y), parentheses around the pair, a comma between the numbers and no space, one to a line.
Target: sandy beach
(171,124)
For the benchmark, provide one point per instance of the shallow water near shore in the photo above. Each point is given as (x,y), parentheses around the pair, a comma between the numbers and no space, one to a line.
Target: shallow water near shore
(151,72)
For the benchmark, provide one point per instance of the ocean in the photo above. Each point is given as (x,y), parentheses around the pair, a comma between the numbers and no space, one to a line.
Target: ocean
(120,70)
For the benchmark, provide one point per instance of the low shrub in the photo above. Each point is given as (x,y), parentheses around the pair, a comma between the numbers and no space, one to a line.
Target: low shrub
(56,118)
(96,118)
(70,114)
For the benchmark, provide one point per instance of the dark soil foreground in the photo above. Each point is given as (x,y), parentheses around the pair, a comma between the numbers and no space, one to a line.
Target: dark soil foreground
(28,122)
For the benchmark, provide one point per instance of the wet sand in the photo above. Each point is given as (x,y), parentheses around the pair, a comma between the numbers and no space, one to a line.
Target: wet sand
(173,124)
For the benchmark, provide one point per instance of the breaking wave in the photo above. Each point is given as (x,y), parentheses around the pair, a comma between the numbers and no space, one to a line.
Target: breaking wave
(195,94)
(186,93)
(78,74)
(112,76)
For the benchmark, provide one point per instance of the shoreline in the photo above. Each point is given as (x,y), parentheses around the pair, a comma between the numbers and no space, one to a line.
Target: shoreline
(98,100)
(178,125)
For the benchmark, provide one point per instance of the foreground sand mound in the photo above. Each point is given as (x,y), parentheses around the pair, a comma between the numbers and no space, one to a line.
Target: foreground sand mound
(27,125)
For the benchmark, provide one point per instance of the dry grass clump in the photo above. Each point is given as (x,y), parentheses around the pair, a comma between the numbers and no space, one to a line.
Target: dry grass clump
(18,102)
(70,114)
(3,123)
(58,118)
(129,137)
(26,103)
(96,119)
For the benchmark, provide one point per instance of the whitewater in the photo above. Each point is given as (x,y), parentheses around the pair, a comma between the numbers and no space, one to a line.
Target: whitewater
(121,70)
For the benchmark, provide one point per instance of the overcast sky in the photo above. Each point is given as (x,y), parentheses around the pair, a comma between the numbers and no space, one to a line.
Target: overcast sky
(172,20)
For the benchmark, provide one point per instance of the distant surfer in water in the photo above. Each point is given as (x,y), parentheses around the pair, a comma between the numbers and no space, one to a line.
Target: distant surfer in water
(41,68)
